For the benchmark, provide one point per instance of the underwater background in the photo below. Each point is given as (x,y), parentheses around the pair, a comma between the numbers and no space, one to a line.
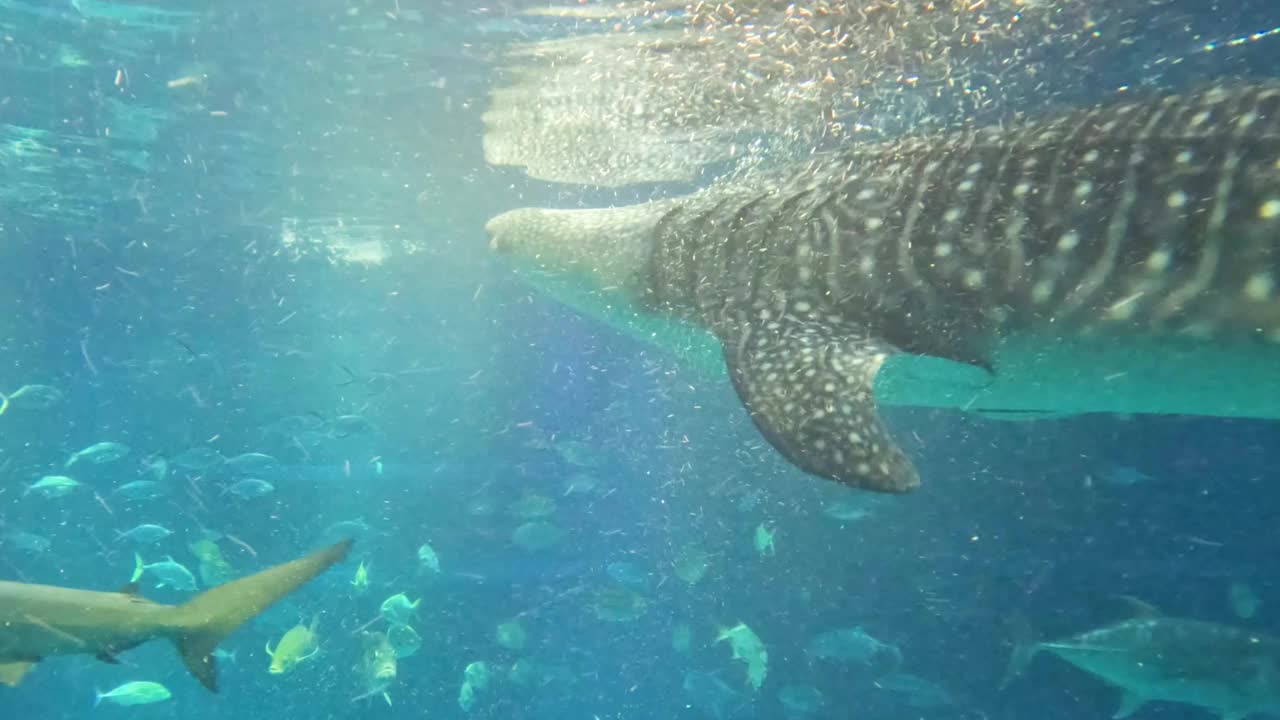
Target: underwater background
(237,230)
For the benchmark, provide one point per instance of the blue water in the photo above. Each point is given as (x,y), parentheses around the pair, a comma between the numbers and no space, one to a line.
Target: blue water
(166,171)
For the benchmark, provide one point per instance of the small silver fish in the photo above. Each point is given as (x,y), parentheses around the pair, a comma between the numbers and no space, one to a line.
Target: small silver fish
(139,490)
(253,463)
(29,542)
(52,486)
(250,488)
(197,459)
(167,572)
(99,453)
(134,693)
(145,533)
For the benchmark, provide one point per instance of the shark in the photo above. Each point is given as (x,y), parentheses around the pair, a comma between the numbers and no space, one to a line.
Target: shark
(1230,671)
(1118,258)
(42,621)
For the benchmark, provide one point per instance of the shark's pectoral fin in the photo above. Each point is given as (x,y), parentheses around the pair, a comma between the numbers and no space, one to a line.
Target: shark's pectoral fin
(197,654)
(808,386)
(11,673)
(1129,704)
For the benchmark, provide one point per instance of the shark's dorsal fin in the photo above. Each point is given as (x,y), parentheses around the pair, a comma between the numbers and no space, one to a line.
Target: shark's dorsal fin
(1139,607)
(808,384)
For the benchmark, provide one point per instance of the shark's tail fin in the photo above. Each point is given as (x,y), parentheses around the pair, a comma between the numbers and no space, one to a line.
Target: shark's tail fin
(203,622)
(1025,648)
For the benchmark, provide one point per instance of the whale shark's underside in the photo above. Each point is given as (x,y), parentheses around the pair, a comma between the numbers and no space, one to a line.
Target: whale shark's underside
(1122,259)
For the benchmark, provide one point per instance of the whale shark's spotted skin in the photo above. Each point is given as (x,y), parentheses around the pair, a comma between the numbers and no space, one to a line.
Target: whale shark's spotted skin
(1154,219)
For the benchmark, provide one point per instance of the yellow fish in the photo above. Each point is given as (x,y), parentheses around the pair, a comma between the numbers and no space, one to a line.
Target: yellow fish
(360,582)
(214,568)
(377,666)
(298,644)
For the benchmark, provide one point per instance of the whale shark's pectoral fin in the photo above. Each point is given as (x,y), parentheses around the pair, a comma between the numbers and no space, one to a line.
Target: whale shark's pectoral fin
(808,384)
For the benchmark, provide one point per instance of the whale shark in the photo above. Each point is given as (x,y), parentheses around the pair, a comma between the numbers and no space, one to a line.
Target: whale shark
(1119,258)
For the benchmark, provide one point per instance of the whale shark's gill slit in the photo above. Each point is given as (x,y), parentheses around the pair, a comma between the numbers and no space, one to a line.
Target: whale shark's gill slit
(906,239)
(1120,230)
(990,176)
(1176,302)
(824,237)
(807,385)
(715,258)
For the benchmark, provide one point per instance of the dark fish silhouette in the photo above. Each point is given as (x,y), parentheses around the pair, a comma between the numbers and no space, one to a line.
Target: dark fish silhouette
(1230,671)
